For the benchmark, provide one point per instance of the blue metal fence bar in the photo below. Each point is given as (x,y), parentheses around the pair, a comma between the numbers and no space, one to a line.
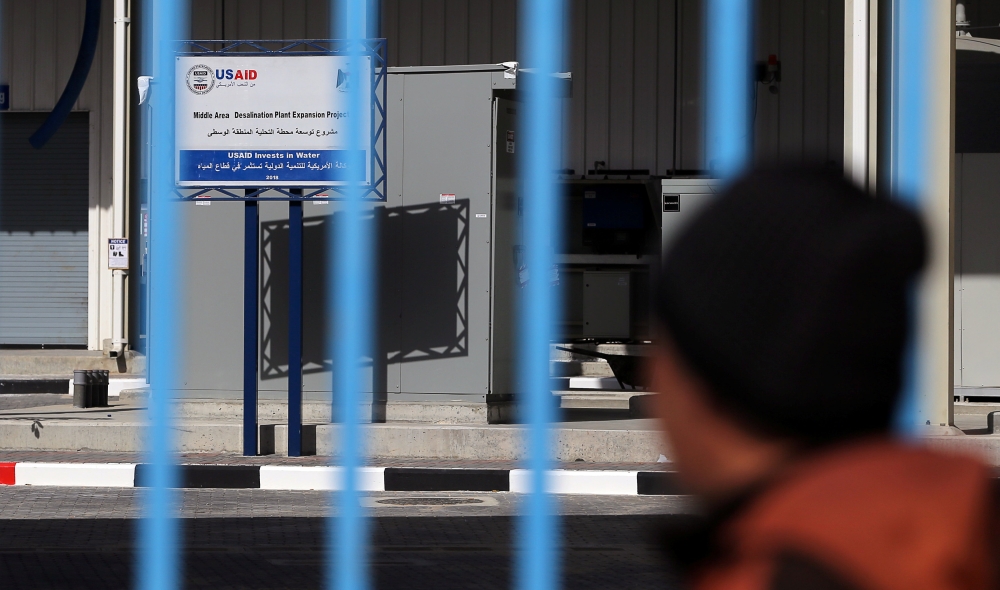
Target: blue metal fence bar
(729,85)
(541,31)
(294,328)
(158,559)
(910,154)
(347,567)
(251,251)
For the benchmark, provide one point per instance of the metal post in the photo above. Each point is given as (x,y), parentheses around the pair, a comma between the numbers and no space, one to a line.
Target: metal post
(250,254)
(923,169)
(729,85)
(541,26)
(294,328)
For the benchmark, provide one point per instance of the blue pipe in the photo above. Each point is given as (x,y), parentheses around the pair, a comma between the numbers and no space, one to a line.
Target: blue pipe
(81,69)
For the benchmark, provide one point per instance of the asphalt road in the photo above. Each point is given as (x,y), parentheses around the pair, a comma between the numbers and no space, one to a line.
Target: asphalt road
(84,538)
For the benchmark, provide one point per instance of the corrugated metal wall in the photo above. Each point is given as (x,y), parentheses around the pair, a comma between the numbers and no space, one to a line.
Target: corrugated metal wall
(39,47)
(622,55)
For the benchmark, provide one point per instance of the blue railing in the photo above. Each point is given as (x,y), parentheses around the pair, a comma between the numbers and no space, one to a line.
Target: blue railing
(728,50)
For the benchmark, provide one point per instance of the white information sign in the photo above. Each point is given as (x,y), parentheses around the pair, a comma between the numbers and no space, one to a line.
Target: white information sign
(277,120)
(118,253)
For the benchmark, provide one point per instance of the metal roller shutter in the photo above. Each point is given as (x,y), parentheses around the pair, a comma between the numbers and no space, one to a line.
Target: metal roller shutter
(43,232)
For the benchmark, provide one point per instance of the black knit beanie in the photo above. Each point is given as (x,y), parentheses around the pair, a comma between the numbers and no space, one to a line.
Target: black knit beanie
(788,296)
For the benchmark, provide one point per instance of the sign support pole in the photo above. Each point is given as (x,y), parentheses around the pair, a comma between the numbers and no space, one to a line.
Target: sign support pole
(250,253)
(295,328)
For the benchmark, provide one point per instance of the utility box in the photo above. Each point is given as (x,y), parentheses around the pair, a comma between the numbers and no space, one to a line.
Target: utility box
(449,240)
(607,298)
(680,201)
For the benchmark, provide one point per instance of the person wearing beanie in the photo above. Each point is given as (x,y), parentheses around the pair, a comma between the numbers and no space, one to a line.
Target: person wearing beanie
(783,316)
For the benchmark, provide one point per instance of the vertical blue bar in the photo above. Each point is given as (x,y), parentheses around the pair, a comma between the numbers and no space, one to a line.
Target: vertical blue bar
(911,28)
(294,328)
(352,294)
(541,31)
(251,248)
(158,560)
(729,85)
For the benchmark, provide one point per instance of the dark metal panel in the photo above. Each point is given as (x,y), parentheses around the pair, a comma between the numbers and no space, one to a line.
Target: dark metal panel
(577,133)
(45,57)
(67,25)
(318,19)
(230,19)
(690,116)
(410,28)
(598,53)
(793,70)
(665,75)
(644,116)
(816,79)
(248,19)
(767,104)
(432,35)
(456,32)
(294,19)
(203,19)
(504,31)
(390,30)
(480,32)
(19,18)
(43,232)
(835,81)
(271,21)
(621,79)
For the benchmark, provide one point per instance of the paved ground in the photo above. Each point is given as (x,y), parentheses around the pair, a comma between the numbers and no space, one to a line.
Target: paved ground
(83,538)
(17,401)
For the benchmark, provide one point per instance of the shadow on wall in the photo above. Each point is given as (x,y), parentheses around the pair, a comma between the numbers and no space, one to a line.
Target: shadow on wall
(421,287)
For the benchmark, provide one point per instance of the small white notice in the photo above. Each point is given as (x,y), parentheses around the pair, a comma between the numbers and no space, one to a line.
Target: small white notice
(446,199)
(118,253)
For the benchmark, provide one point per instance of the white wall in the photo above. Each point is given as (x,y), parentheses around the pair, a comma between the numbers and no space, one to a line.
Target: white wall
(39,47)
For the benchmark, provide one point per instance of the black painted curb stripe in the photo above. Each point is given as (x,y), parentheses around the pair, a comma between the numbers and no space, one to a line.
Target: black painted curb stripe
(34,385)
(208,476)
(657,483)
(398,479)
(422,479)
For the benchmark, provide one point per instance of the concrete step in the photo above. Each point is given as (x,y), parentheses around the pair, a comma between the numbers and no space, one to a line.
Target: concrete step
(592,368)
(632,441)
(47,363)
(631,349)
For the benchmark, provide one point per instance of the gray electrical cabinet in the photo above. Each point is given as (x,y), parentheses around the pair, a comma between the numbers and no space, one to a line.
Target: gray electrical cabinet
(607,299)
(680,201)
(452,145)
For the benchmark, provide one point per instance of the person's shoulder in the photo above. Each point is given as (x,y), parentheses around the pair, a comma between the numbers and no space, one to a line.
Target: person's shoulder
(878,511)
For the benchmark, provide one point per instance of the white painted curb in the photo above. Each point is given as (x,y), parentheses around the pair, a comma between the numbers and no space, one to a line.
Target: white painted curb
(295,477)
(564,481)
(101,475)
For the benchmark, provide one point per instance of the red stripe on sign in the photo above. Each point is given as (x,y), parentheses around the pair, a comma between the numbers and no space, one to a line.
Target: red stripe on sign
(7,474)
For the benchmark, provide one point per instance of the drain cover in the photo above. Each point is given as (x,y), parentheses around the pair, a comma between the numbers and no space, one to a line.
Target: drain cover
(428,501)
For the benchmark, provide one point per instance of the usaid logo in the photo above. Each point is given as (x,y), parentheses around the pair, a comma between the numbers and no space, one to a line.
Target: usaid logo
(199,79)
(235,74)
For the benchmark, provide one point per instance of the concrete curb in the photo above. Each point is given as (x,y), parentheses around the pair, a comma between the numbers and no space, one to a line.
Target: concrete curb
(370,479)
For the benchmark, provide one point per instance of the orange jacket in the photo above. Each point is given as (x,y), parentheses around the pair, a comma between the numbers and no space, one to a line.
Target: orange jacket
(872,516)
